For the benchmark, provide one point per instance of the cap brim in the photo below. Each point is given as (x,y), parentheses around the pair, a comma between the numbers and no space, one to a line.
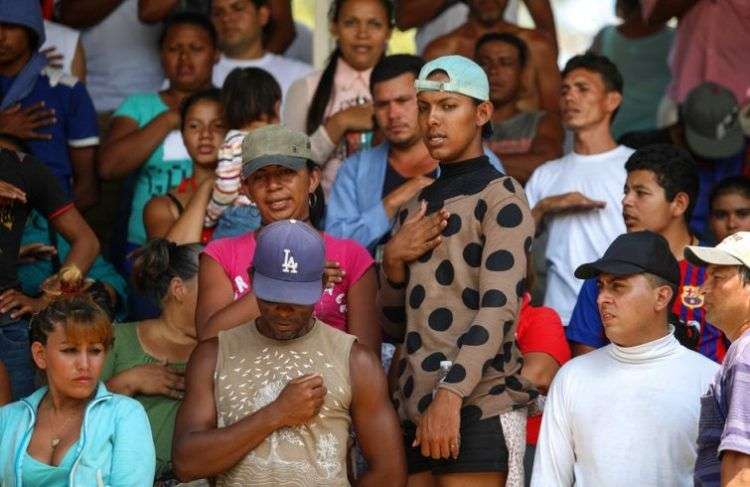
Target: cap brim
(713,148)
(703,256)
(616,268)
(294,163)
(288,292)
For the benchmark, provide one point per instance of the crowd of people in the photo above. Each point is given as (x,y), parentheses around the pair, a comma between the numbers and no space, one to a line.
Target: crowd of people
(460,267)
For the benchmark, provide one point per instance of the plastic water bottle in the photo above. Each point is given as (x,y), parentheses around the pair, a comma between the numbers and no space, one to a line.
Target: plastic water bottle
(365,138)
(445,367)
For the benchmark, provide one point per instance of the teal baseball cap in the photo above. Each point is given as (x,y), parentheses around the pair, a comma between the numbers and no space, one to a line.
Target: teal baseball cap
(465,77)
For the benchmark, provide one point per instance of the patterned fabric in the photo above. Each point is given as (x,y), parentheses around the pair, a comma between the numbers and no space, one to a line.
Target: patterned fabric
(251,372)
(227,186)
(463,297)
(515,135)
(514,430)
(725,414)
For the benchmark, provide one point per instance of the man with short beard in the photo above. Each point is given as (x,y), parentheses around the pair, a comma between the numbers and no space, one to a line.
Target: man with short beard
(373,183)
(453,276)
(541,79)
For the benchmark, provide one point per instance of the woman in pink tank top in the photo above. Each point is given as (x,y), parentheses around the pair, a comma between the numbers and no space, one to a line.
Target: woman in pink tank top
(282,187)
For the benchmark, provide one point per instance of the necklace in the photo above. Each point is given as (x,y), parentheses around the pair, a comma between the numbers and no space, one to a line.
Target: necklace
(56,435)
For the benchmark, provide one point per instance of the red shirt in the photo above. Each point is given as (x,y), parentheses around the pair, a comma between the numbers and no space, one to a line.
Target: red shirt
(540,330)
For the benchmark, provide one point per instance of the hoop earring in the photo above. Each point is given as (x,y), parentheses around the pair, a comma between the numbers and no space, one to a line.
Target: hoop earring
(312,199)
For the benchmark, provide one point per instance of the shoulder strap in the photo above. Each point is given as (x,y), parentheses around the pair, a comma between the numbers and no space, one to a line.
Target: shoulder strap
(176,202)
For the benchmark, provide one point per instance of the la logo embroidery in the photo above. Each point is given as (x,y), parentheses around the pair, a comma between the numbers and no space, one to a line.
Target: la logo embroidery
(289,266)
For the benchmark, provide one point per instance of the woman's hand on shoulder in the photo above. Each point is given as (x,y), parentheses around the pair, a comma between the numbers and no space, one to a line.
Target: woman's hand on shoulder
(150,380)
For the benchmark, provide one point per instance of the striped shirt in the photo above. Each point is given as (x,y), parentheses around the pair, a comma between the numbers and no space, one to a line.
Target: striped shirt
(725,414)
(227,186)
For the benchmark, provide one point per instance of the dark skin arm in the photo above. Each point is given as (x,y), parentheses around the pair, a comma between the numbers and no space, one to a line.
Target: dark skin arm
(85,13)
(161,218)
(416,13)
(127,147)
(196,436)
(375,421)
(734,469)
(84,246)
(151,11)
(544,19)
(546,146)
(361,314)
(664,10)
(547,74)
(189,226)
(580,349)
(216,309)
(540,368)
(85,183)
(283,32)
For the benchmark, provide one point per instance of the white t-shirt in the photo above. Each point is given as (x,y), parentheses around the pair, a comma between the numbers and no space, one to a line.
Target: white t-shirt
(122,57)
(624,417)
(580,237)
(285,70)
(64,40)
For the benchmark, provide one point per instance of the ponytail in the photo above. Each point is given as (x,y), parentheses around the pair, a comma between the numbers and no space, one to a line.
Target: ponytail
(322,95)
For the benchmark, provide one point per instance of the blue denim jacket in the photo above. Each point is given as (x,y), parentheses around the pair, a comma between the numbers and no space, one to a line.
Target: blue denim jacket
(355,206)
(115,448)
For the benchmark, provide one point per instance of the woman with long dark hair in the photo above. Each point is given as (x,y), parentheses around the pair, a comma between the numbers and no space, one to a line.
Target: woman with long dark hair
(334,107)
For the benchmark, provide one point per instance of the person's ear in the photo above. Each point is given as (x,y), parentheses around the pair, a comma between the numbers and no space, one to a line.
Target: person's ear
(680,204)
(663,298)
(245,189)
(264,15)
(612,100)
(177,289)
(333,28)
(314,179)
(39,354)
(484,113)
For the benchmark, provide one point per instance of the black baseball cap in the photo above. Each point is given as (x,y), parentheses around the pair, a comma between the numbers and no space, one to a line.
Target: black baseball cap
(635,253)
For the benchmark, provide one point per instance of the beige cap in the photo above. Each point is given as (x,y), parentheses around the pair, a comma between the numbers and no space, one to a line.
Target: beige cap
(733,250)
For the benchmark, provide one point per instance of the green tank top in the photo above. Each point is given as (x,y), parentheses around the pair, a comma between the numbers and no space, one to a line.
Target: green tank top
(127,353)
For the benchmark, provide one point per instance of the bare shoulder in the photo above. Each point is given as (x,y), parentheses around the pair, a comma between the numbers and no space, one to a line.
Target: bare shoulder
(443,45)
(537,40)
(362,359)
(204,356)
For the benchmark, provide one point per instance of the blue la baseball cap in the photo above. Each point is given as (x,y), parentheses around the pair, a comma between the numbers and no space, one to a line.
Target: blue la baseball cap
(465,77)
(288,264)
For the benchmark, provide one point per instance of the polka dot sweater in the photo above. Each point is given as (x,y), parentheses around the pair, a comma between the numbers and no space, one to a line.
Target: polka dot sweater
(461,300)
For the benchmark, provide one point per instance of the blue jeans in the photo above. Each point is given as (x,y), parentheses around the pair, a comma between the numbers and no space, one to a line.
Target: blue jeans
(15,353)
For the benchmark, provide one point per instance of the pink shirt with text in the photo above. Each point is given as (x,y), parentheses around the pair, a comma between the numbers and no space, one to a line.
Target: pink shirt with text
(235,255)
